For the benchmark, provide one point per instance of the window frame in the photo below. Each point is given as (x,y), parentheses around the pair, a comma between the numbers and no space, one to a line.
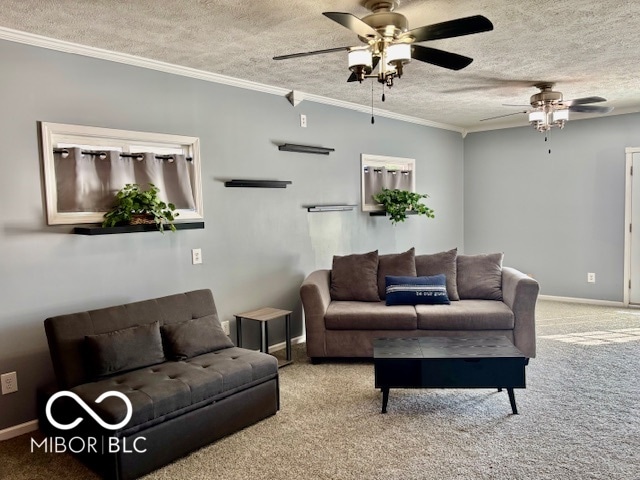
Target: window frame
(60,133)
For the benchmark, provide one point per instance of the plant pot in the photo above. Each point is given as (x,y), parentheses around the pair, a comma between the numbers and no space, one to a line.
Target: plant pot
(142,219)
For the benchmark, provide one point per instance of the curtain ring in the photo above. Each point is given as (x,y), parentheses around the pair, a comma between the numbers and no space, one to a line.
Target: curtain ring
(102,155)
(64,153)
(139,157)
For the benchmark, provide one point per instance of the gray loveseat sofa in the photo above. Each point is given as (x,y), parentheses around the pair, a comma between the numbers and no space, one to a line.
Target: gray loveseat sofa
(345,308)
(187,383)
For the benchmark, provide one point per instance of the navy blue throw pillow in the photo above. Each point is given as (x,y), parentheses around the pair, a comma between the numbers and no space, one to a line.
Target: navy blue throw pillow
(416,290)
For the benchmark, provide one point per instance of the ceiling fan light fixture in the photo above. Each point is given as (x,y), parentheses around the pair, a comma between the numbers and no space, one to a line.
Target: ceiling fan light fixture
(360,62)
(360,57)
(399,52)
(545,118)
(561,115)
(537,116)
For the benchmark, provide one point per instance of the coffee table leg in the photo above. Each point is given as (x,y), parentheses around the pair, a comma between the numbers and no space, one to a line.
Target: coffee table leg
(512,401)
(385,398)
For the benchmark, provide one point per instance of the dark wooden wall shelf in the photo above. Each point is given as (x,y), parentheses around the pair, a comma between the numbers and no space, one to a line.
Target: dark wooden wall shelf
(329,208)
(291,147)
(258,183)
(100,230)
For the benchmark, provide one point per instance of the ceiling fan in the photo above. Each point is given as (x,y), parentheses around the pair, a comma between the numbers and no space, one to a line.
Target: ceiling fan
(389,44)
(548,109)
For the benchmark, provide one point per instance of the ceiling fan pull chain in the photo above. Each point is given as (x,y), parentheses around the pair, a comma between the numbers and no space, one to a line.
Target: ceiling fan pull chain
(383,96)
(373,120)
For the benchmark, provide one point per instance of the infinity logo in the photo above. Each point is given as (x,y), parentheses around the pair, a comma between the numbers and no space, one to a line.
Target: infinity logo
(86,407)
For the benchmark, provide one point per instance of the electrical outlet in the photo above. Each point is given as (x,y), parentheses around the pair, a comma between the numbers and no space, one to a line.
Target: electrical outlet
(225,328)
(196,256)
(591,277)
(303,120)
(9,382)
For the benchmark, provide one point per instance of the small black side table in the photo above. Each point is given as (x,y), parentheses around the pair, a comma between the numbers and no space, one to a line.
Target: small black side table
(264,315)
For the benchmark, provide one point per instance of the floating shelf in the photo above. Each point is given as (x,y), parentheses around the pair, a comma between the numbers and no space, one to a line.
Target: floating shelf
(290,147)
(258,183)
(382,213)
(100,230)
(330,208)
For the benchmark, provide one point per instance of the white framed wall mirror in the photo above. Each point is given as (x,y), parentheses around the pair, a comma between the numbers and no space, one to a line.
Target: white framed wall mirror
(378,172)
(84,167)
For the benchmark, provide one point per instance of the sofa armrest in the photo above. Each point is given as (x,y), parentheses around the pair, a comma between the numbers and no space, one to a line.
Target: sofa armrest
(520,293)
(315,296)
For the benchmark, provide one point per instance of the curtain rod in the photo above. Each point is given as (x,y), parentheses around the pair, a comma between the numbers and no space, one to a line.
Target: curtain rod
(103,153)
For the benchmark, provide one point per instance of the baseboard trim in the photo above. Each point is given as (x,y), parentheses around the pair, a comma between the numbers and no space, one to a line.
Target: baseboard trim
(588,301)
(18,430)
(283,345)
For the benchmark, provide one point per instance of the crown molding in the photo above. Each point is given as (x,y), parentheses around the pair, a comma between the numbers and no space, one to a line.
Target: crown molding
(127,59)
(382,113)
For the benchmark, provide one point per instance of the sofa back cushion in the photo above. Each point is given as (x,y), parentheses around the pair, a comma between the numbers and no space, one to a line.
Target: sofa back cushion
(397,264)
(355,277)
(125,349)
(437,263)
(480,276)
(66,333)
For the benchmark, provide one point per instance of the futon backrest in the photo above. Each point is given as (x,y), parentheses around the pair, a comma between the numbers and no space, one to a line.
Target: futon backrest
(66,333)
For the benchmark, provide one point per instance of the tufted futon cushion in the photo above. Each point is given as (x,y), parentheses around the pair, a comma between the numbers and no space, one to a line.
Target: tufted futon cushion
(163,391)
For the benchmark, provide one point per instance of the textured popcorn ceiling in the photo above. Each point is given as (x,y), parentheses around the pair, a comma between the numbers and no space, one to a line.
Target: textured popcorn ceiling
(588,47)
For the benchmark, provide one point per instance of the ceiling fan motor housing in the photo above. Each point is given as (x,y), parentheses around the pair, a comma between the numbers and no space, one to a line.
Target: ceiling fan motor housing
(387,24)
(546,96)
(384,20)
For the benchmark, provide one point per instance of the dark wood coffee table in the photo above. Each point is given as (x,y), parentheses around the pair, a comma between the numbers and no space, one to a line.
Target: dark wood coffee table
(448,362)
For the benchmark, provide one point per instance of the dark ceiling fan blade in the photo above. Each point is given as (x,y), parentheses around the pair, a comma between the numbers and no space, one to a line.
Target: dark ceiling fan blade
(452,28)
(353,77)
(590,109)
(582,101)
(449,60)
(314,52)
(502,116)
(353,23)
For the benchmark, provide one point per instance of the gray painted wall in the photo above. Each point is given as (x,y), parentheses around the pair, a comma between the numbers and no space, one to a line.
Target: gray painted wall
(556,216)
(257,245)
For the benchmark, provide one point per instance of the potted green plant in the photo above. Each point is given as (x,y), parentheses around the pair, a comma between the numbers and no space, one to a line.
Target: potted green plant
(398,202)
(135,206)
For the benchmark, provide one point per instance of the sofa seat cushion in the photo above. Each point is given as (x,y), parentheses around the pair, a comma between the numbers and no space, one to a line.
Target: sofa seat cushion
(369,316)
(171,388)
(466,315)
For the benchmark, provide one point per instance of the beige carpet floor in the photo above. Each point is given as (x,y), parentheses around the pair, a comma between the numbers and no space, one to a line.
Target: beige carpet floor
(579,419)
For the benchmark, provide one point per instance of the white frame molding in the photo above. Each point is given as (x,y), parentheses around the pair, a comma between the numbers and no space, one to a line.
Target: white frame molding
(54,133)
(397,163)
(629,151)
